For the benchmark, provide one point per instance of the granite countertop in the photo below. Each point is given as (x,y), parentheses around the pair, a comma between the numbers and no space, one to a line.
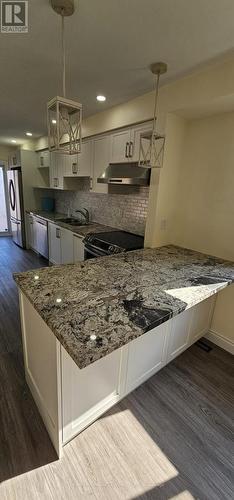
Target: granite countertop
(92,227)
(105,303)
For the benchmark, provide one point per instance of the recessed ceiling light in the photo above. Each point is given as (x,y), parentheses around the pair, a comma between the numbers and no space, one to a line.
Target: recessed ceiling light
(13,140)
(101,98)
(29,134)
(54,121)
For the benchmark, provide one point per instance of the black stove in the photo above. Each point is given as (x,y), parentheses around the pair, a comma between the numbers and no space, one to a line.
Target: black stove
(111,243)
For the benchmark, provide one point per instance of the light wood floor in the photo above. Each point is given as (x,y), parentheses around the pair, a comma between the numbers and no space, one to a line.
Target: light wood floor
(171,438)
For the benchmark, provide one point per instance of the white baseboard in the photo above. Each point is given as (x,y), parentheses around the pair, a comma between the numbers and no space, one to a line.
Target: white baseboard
(221,341)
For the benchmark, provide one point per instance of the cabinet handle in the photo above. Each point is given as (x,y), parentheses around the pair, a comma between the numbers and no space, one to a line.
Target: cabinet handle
(127,150)
(91,183)
(56,182)
(57,232)
(74,168)
(130,149)
(41,161)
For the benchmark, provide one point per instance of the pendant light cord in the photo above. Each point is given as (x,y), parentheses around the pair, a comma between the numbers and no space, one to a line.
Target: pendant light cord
(63,56)
(157,76)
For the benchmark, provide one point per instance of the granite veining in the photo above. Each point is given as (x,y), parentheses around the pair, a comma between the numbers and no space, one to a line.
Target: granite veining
(99,305)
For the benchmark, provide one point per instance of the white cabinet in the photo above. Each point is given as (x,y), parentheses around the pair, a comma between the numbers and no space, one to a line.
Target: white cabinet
(134,148)
(65,247)
(179,334)
(55,244)
(57,168)
(146,355)
(87,393)
(188,327)
(43,159)
(71,166)
(120,144)
(79,165)
(201,319)
(125,144)
(85,159)
(78,248)
(101,159)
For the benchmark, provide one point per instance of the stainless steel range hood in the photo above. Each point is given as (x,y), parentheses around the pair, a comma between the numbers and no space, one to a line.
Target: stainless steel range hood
(125,173)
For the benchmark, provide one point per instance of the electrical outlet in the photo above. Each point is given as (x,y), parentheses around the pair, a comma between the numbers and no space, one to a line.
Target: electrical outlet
(163,224)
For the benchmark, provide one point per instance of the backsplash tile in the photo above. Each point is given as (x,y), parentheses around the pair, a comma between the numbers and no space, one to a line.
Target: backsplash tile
(124,208)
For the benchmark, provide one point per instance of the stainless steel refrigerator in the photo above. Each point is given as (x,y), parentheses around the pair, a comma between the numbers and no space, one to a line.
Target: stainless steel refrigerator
(15,192)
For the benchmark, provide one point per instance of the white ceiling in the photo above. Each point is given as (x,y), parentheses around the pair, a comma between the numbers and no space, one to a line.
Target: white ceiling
(110,44)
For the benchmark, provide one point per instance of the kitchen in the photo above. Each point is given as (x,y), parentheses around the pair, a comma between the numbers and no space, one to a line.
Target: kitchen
(129,320)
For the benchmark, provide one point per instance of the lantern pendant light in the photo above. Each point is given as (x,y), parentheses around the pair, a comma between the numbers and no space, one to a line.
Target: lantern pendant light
(64,115)
(152,143)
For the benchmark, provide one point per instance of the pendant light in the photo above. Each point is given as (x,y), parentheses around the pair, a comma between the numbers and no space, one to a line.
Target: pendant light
(64,116)
(152,143)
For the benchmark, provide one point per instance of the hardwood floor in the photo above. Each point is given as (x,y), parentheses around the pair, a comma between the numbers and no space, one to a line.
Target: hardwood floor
(171,438)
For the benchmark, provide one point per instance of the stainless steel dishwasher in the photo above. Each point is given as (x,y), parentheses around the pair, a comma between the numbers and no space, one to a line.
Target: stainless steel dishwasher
(42,246)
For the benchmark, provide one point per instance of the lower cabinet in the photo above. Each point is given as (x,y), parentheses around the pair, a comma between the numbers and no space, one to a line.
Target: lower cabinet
(179,334)
(55,254)
(188,327)
(69,398)
(146,356)
(87,393)
(65,247)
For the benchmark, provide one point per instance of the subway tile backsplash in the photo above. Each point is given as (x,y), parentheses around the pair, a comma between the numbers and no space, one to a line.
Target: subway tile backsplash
(123,207)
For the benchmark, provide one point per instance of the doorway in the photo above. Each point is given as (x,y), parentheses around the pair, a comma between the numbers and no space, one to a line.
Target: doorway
(4,211)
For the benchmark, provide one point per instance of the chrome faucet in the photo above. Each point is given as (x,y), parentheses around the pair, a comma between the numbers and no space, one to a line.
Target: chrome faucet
(85,213)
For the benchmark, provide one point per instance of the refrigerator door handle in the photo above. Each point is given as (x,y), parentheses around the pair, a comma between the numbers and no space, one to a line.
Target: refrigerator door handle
(12,194)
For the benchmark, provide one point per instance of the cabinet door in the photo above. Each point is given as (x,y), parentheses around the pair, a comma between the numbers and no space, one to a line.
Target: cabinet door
(84,159)
(134,148)
(101,158)
(54,244)
(71,166)
(146,356)
(120,143)
(43,159)
(201,319)
(78,248)
(179,334)
(87,393)
(66,246)
(53,171)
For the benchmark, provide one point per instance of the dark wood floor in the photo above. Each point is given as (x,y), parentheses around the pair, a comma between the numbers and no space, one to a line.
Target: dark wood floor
(172,437)
(20,424)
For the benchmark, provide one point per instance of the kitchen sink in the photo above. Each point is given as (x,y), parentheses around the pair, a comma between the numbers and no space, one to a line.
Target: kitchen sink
(73,222)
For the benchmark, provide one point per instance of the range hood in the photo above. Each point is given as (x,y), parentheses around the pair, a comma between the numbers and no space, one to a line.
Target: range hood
(125,173)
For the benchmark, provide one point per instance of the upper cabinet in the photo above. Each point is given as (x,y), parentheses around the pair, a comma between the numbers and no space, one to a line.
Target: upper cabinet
(125,144)
(43,159)
(120,146)
(79,165)
(96,154)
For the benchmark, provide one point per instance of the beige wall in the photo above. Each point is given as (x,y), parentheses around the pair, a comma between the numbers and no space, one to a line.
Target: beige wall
(164,185)
(204,208)
(203,198)
(5,152)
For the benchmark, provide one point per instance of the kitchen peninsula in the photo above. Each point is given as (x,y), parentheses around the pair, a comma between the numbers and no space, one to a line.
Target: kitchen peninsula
(95,330)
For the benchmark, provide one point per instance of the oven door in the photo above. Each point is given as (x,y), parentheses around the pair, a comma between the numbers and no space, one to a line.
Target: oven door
(90,252)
